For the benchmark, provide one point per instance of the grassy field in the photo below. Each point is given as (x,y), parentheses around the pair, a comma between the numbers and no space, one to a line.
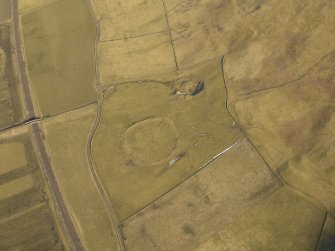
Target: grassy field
(293,125)
(135,40)
(135,58)
(152,136)
(13,154)
(126,19)
(31,5)
(201,31)
(285,220)
(33,230)
(67,137)
(27,221)
(204,204)
(16,186)
(4,10)
(285,55)
(10,103)
(59,46)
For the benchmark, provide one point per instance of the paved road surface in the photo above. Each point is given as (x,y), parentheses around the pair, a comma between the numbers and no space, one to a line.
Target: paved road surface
(36,132)
(20,60)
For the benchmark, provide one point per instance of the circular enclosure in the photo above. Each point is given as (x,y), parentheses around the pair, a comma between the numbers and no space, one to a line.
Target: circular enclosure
(151,140)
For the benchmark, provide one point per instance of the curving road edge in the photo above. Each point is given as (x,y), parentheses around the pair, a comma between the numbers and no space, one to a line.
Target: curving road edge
(98,86)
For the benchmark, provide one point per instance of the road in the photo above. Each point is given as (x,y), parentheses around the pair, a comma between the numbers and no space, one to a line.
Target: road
(20,60)
(37,133)
(102,191)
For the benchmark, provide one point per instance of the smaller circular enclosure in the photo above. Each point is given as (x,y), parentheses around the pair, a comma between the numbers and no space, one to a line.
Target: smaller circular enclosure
(151,140)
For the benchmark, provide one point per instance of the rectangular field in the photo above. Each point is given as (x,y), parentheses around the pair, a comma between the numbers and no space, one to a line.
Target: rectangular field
(135,58)
(286,220)
(124,19)
(155,134)
(202,205)
(4,10)
(32,230)
(294,130)
(31,5)
(13,156)
(59,42)
(67,137)
(10,102)
(16,186)
(27,220)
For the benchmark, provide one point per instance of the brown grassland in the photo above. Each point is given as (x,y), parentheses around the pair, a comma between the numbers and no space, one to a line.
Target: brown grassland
(27,218)
(10,103)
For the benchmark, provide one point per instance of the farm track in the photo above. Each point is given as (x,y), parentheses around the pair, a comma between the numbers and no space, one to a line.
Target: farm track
(36,132)
(99,88)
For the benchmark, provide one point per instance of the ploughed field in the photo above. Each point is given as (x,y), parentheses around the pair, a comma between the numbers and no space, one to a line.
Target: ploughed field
(10,102)
(27,217)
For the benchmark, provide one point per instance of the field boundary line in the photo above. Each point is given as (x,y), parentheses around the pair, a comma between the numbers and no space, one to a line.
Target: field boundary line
(147,78)
(14,216)
(321,232)
(199,170)
(275,172)
(46,118)
(170,35)
(38,8)
(132,37)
